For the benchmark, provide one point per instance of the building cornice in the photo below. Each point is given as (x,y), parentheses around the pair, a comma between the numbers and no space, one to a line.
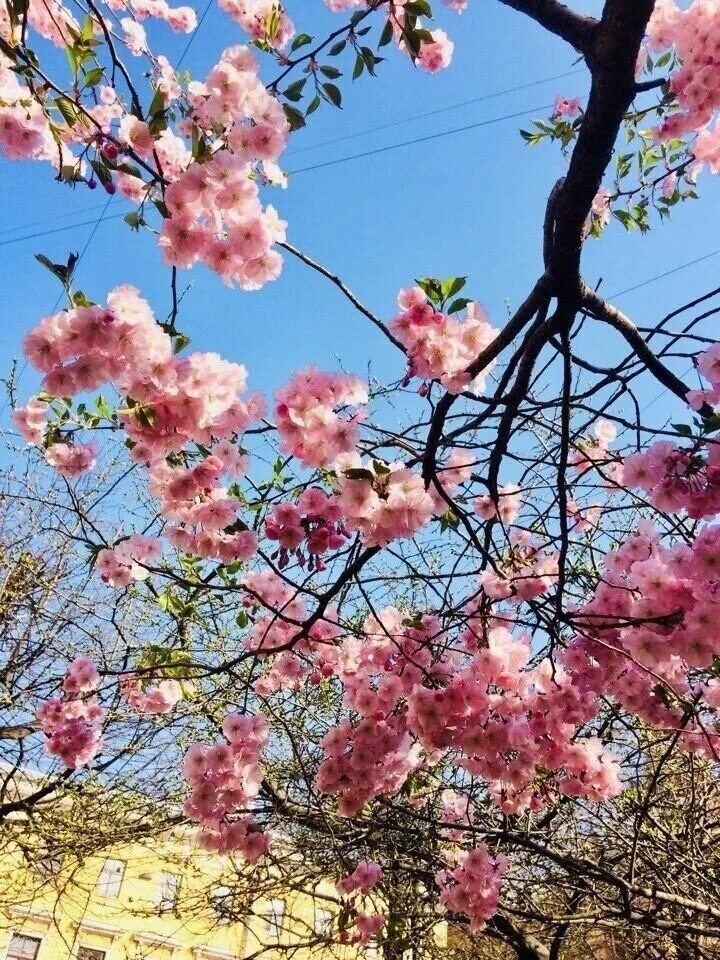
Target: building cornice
(156,940)
(97,926)
(213,953)
(32,913)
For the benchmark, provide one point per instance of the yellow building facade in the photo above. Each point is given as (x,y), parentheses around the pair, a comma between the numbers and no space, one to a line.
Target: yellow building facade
(161,900)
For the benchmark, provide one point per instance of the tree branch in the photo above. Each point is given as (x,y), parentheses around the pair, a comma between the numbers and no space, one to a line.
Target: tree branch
(346,291)
(602,310)
(574,27)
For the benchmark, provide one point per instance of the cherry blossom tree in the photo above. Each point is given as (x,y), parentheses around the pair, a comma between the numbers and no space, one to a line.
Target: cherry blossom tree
(486,622)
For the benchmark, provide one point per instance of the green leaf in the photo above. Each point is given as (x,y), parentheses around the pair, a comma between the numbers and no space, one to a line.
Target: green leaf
(294,91)
(432,288)
(145,415)
(419,8)
(336,48)
(682,428)
(332,73)
(359,67)
(180,341)
(313,105)
(386,35)
(458,304)
(157,103)
(451,286)
(300,41)
(94,76)
(625,218)
(68,110)
(294,116)
(369,58)
(359,473)
(134,220)
(333,94)
(449,521)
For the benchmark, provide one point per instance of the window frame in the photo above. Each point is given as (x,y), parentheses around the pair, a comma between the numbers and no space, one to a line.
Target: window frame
(16,934)
(105,886)
(273,918)
(102,954)
(322,922)
(218,898)
(164,903)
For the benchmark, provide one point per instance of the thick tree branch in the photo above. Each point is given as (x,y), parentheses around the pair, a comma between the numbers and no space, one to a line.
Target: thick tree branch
(612,59)
(602,310)
(574,27)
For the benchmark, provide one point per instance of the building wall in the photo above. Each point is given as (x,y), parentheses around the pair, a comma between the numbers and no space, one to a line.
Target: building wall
(66,910)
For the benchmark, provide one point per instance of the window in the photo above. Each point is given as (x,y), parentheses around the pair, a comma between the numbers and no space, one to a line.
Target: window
(23,948)
(372,950)
(49,864)
(222,902)
(323,923)
(111,877)
(274,916)
(90,953)
(168,890)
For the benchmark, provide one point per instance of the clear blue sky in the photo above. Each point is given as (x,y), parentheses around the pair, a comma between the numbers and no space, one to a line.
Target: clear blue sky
(470,203)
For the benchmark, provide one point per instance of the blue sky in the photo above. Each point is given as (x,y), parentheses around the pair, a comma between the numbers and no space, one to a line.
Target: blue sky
(469,203)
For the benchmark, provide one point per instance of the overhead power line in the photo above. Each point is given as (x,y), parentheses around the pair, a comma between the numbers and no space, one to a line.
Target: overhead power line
(434,113)
(425,139)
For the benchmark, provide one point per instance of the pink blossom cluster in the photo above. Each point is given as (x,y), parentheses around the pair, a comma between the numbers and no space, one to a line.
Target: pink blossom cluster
(363,878)
(648,630)
(153,698)
(314,523)
(172,402)
(50,18)
(181,19)
(473,887)
(262,19)
(507,508)
(71,459)
(584,518)
(566,106)
(526,571)
(595,448)
(677,478)
(392,656)
(456,808)
(31,420)
(224,779)
(451,475)
(128,561)
(205,514)
(306,418)
(516,727)
(683,477)
(373,758)
(296,654)
(367,926)
(438,346)
(301,655)
(25,133)
(73,725)
(435,53)
(384,503)
(693,32)
(513,724)
(215,212)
